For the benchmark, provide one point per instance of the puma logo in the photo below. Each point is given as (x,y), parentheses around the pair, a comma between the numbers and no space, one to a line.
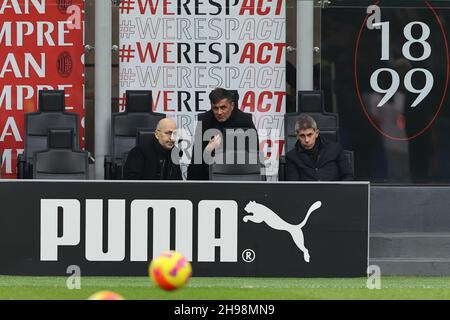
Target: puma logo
(260,213)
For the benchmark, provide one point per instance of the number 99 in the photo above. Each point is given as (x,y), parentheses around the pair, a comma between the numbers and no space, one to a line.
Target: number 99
(395,83)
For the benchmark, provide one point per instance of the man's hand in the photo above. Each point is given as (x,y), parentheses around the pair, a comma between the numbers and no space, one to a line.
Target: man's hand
(214,143)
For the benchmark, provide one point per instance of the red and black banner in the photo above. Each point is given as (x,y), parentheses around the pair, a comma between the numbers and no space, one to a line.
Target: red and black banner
(41,48)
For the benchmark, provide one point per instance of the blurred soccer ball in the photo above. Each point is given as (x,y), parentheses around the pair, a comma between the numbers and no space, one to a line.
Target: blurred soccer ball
(170,270)
(106,295)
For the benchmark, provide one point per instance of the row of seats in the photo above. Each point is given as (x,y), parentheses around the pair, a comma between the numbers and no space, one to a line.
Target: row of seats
(51,120)
(125,128)
(51,132)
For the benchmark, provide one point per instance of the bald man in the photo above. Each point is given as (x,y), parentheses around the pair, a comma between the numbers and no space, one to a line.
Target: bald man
(153,161)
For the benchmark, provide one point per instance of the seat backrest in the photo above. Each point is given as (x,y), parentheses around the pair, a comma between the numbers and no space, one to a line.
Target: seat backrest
(37,126)
(60,139)
(51,115)
(124,129)
(51,100)
(144,137)
(240,139)
(310,101)
(138,101)
(235,172)
(235,97)
(138,114)
(243,168)
(327,124)
(60,160)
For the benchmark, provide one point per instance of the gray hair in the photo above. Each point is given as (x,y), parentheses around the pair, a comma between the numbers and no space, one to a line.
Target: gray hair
(305,122)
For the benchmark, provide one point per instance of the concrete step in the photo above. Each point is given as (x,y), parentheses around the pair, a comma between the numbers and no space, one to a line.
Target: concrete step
(411,209)
(410,245)
(412,266)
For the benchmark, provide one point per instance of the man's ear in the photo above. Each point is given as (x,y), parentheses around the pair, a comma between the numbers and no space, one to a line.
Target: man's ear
(317,131)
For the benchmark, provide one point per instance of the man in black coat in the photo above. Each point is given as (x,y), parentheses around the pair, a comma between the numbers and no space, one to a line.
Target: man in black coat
(154,161)
(222,116)
(314,158)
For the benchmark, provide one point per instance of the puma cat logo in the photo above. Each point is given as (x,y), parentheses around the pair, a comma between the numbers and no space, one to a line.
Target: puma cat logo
(260,213)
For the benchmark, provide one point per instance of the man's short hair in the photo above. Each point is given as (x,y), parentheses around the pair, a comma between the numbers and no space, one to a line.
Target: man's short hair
(219,94)
(305,122)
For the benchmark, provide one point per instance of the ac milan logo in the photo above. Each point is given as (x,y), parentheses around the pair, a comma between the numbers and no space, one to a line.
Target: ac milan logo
(64,64)
(63,5)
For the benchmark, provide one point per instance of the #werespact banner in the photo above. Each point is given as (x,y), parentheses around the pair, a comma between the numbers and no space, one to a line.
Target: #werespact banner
(41,48)
(181,50)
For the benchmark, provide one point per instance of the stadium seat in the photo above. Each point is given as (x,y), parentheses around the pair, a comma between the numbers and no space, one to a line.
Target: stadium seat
(235,98)
(237,171)
(240,139)
(61,160)
(282,165)
(138,114)
(51,115)
(144,137)
(310,103)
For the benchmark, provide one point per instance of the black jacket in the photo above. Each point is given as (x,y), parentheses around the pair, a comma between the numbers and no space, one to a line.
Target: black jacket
(331,164)
(151,162)
(238,119)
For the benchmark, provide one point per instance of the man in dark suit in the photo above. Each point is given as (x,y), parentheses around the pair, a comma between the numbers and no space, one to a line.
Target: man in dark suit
(314,158)
(154,161)
(224,114)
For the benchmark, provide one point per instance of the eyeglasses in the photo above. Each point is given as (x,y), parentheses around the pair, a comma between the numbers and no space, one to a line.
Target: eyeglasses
(169,133)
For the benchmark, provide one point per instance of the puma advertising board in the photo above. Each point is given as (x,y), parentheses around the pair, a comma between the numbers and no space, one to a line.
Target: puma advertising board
(225,229)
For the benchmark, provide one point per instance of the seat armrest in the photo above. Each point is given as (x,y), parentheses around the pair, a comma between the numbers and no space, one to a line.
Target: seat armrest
(108,168)
(282,169)
(21,166)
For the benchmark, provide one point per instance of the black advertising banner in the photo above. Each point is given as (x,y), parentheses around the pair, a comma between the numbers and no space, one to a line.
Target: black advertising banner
(225,229)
